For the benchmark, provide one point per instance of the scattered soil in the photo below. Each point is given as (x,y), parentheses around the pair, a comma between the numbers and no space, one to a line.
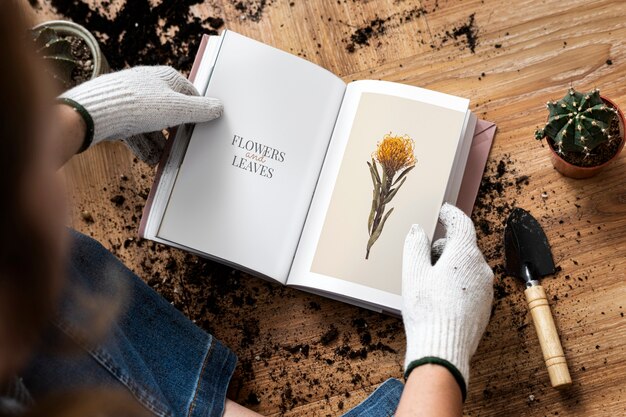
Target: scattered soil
(251,9)
(82,54)
(497,196)
(253,399)
(142,34)
(315,306)
(362,35)
(377,27)
(86,216)
(118,200)
(600,154)
(469,31)
(330,336)
(464,35)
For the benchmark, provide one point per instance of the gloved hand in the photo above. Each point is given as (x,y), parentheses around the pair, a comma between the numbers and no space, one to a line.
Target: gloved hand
(446,306)
(139,100)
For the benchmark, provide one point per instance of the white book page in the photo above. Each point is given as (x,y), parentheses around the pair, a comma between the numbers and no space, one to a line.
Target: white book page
(332,252)
(247,179)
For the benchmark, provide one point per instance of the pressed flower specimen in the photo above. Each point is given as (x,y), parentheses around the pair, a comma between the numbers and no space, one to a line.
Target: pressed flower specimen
(395,155)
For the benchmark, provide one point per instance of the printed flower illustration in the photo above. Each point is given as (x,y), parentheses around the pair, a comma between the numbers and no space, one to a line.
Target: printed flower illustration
(395,154)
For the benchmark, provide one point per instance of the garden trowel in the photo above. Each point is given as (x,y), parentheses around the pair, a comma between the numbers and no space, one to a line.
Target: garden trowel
(528,257)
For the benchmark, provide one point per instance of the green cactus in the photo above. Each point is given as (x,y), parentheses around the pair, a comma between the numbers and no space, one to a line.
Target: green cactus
(578,122)
(58,52)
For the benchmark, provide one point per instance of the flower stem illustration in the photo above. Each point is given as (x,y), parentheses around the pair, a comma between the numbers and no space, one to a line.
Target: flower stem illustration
(395,154)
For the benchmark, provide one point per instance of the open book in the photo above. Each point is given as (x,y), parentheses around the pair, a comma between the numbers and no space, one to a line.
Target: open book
(308,181)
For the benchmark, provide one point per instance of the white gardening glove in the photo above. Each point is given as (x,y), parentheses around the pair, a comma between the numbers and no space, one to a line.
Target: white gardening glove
(124,104)
(446,306)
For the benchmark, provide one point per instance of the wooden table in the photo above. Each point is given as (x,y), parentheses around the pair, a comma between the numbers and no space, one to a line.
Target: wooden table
(292,362)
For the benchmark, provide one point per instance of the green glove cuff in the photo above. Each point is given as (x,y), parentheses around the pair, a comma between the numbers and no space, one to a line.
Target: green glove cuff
(86,117)
(438,361)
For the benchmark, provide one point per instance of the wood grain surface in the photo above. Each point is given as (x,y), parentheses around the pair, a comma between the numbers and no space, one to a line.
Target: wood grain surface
(305,355)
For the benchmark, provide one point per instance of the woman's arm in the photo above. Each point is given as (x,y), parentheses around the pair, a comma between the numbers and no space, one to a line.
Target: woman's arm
(128,103)
(446,308)
(430,390)
(233,409)
(70,134)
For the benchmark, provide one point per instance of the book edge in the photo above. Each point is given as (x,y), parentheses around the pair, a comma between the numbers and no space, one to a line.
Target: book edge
(168,147)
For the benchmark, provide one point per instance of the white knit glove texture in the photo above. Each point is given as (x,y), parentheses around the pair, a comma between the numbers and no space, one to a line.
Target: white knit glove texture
(446,305)
(139,100)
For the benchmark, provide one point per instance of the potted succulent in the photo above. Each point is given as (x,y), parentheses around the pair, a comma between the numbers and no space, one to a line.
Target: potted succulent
(585,132)
(71,50)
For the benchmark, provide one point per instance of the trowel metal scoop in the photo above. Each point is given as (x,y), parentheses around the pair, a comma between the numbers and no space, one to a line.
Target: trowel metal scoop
(528,256)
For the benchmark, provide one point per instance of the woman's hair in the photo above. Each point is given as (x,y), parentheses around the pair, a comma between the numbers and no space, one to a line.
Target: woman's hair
(27,266)
(29,270)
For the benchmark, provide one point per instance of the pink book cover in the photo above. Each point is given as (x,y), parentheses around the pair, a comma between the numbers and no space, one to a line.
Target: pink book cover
(475,167)
(477,159)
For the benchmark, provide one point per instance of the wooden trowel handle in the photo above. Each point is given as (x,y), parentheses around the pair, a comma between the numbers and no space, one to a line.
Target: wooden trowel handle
(548,336)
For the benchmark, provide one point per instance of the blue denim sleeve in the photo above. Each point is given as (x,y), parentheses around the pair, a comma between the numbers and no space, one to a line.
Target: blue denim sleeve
(381,403)
(151,349)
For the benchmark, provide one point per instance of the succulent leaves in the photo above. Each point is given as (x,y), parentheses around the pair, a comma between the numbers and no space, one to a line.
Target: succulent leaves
(56,51)
(578,122)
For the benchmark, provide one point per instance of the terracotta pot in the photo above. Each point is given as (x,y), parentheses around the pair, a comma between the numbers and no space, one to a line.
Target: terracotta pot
(578,172)
(100,64)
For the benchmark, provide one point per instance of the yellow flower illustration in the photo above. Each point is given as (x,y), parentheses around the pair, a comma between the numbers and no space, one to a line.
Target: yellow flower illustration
(394,154)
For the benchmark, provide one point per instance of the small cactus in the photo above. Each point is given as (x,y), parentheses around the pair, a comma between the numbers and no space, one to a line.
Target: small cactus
(58,52)
(578,122)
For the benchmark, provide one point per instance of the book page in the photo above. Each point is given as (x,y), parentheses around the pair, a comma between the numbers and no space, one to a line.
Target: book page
(350,245)
(245,184)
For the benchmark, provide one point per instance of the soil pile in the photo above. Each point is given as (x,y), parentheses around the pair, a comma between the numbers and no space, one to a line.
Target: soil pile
(84,61)
(143,34)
